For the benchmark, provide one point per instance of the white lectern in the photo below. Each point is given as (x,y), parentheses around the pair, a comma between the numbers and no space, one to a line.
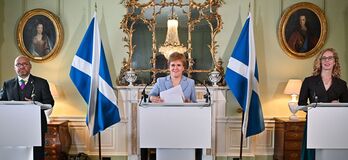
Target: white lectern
(327,130)
(20,124)
(175,130)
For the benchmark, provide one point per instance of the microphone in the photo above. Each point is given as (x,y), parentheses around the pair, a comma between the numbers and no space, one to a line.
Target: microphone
(315,99)
(207,95)
(144,95)
(32,91)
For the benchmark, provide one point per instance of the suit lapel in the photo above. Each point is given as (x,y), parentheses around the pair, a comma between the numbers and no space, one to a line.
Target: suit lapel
(319,85)
(168,83)
(29,86)
(184,83)
(333,83)
(15,85)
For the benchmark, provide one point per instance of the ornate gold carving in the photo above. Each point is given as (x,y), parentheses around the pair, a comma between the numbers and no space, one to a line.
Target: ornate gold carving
(212,17)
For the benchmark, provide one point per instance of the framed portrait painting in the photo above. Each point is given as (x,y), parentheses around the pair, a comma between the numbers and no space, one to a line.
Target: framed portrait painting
(302,30)
(39,35)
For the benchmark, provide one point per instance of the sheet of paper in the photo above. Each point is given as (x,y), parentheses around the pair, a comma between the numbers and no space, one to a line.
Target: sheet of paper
(173,95)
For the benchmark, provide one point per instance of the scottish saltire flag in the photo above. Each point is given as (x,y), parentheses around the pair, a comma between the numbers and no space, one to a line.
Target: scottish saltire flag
(243,80)
(90,74)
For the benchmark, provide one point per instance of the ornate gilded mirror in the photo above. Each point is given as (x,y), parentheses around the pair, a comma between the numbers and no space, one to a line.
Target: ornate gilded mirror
(146,28)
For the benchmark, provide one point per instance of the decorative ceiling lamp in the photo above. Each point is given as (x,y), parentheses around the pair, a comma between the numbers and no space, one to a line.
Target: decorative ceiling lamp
(172,43)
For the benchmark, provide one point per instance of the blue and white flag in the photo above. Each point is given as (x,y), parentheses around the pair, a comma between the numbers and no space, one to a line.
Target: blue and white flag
(243,80)
(90,74)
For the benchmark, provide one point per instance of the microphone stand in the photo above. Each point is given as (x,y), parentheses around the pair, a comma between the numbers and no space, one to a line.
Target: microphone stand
(207,95)
(33,92)
(144,95)
(315,100)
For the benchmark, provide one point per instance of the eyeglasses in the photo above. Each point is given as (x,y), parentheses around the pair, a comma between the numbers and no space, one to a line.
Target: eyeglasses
(330,58)
(22,64)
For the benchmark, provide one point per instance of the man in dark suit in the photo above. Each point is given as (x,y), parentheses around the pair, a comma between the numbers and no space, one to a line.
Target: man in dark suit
(26,87)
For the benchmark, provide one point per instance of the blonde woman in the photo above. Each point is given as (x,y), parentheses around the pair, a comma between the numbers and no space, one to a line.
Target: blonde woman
(324,85)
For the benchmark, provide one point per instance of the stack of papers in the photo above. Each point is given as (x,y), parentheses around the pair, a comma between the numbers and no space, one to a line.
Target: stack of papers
(173,95)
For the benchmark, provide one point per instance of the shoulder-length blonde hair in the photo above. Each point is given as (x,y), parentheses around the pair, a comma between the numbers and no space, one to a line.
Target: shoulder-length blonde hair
(336,71)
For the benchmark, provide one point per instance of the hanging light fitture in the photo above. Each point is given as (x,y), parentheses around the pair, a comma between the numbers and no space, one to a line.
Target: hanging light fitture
(172,43)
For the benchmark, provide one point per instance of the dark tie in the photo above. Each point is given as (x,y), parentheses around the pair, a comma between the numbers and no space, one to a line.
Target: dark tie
(22,84)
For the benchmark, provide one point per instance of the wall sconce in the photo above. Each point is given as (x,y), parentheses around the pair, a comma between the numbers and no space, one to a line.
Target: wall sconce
(293,88)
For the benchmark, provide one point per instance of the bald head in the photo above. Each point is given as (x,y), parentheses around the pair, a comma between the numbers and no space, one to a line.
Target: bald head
(22,66)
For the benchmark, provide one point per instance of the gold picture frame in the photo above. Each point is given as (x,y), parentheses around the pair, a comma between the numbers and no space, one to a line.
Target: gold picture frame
(302,30)
(39,35)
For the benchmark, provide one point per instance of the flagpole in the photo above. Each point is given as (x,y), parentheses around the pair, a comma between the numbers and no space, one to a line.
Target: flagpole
(99,144)
(249,8)
(99,136)
(108,109)
(241,139)
(241,128)
(244,50)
